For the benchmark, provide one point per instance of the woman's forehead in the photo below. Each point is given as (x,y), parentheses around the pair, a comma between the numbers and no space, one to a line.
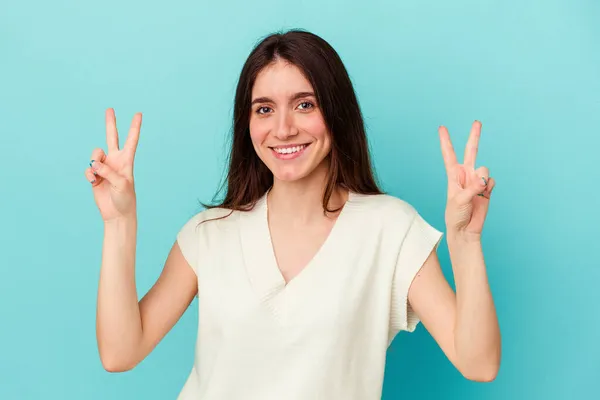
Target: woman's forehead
(281,80)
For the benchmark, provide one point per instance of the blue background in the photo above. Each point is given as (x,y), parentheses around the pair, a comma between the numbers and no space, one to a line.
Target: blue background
(530,71)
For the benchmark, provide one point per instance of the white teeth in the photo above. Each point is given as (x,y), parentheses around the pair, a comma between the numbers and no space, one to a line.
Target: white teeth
(289,150)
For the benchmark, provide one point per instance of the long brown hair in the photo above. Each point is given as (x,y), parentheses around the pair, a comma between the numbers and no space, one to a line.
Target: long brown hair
(248,178)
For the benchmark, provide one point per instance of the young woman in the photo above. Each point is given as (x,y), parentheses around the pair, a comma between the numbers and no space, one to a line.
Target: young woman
(306,271)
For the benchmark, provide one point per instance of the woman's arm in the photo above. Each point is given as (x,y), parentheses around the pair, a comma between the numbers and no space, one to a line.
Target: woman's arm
(128,330)
(464,324)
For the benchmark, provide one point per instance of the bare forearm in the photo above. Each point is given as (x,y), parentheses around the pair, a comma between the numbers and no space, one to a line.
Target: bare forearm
(119,328)
(477,334)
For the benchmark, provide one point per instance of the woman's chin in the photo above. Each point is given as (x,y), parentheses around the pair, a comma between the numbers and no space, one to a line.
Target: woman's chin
(291,173)
(294,172)
(289,176)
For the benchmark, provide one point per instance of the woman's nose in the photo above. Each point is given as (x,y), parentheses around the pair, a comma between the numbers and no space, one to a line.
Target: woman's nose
(285,126)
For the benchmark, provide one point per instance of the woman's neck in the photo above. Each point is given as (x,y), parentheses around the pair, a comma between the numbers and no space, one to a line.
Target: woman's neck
(301,201)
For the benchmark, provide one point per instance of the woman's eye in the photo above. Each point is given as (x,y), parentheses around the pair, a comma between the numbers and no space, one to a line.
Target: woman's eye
(262,110)
(306,105)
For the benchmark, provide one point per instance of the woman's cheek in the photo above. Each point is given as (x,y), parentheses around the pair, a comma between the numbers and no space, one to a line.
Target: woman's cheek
(258,131)
(314,125)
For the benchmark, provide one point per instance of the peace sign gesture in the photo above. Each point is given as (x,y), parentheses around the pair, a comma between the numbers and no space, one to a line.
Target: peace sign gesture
(469,189)
(111,174)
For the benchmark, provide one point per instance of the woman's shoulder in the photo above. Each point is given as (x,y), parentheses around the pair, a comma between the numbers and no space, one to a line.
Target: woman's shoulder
(383,204)
(395,218)
(214,215)
(210,225)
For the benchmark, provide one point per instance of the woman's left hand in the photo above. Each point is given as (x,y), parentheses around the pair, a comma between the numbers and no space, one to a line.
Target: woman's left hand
(469,189)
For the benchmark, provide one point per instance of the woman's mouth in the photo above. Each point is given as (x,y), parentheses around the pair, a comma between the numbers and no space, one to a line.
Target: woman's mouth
(289,152)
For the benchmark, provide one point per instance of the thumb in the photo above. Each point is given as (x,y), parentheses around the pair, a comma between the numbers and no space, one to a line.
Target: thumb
(475,188)
(106,172)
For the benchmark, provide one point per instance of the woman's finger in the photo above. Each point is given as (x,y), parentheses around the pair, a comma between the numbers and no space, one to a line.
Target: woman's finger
(134,134)
(112,136)
(490,187)
(106,172)
(92,179)
(482,172)
(482,175)
(98,155)
(448,153)
(472,146)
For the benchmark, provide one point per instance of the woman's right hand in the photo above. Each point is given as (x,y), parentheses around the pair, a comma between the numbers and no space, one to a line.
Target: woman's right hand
(111,174)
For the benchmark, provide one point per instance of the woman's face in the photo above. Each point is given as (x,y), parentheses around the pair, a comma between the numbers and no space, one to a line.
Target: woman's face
(287,128)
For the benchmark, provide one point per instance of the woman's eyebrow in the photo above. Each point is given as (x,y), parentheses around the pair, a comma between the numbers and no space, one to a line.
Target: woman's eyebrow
(295,97)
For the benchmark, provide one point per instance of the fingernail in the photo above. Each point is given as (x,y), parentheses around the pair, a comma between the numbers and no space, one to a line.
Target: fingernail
(484,181)
(93,181)
(94,165)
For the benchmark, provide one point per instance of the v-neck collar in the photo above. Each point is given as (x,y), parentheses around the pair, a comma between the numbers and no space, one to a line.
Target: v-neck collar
(259,254)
